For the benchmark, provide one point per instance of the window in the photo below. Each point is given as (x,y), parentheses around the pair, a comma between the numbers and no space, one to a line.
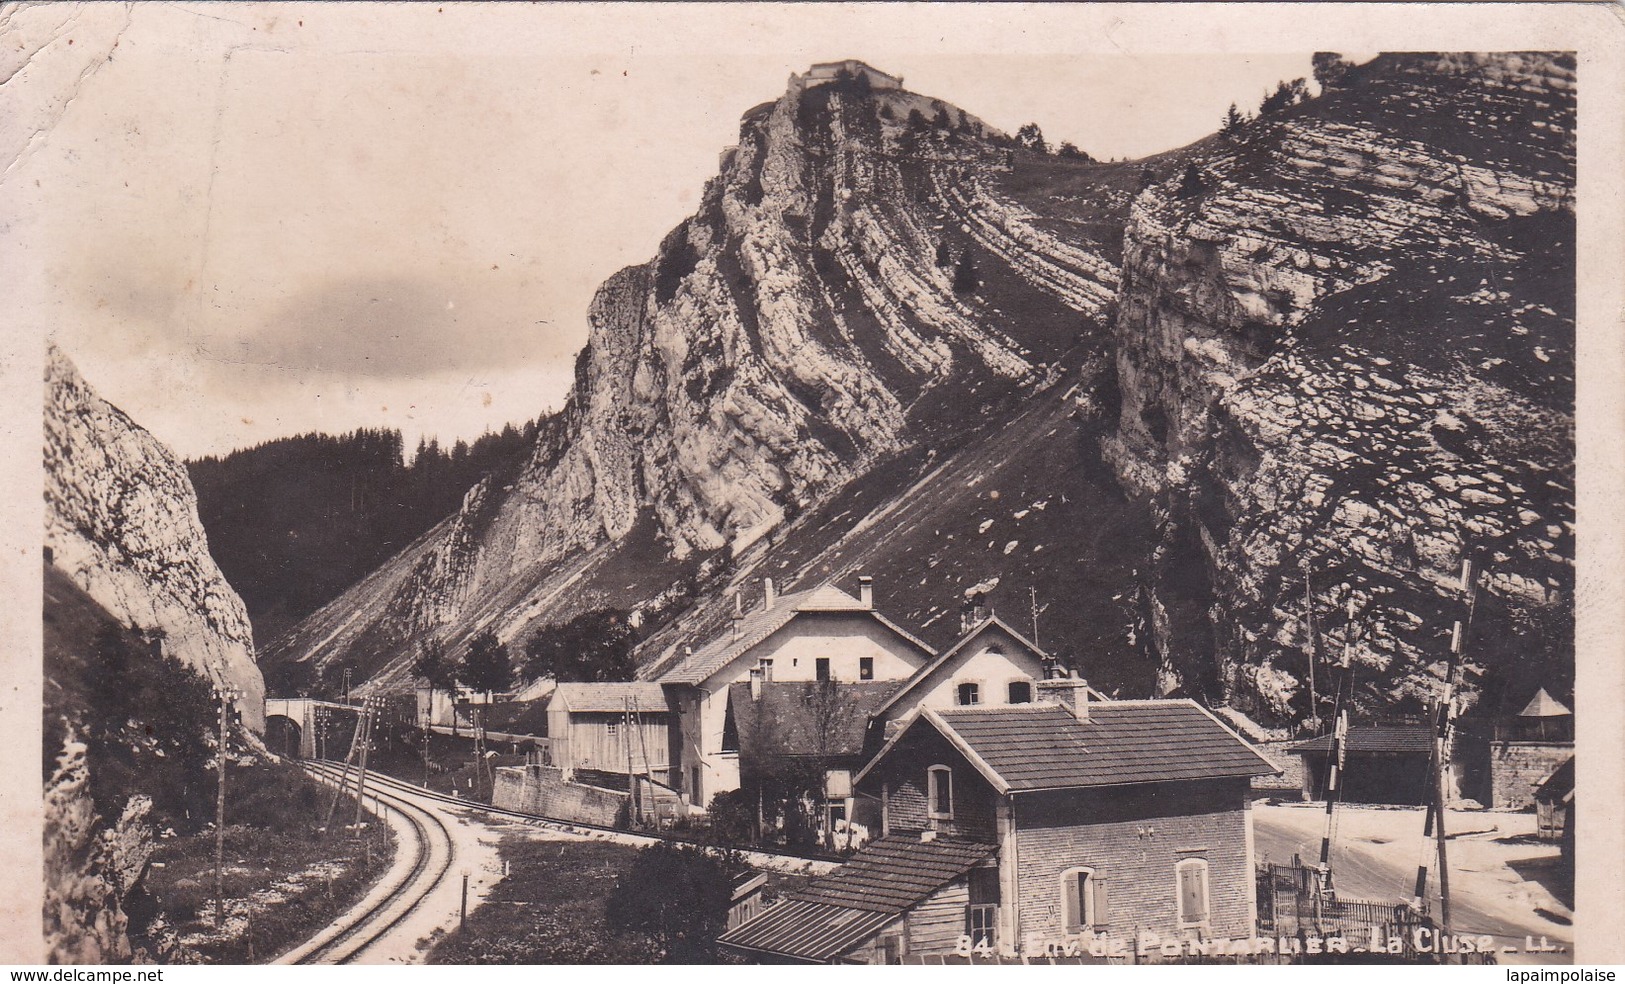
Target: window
(982,912)
(1084,906)
(823,668)
(969,694)
(614,728)
(694,793)
(1021,692)
(767,672)
(940,792)
(1192,876)
(982,924)
(866,667)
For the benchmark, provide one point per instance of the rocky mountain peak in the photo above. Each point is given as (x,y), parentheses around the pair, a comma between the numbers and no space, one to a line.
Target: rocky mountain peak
(121,522)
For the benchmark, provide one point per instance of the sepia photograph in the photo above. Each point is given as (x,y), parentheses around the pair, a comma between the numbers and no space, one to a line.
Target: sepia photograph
(1163,432)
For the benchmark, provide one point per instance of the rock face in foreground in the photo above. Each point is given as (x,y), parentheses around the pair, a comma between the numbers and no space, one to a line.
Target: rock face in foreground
(121,521)
(1348,357)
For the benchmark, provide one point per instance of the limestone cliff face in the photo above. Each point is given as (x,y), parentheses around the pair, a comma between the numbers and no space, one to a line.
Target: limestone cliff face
(792,333)
(1348,358)
(121,521)
(886,340)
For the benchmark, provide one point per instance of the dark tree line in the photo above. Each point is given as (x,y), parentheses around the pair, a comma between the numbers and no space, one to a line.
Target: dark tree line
(294,522)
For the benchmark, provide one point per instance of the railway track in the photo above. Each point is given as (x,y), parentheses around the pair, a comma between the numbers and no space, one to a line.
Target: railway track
(359,929)
(756,857)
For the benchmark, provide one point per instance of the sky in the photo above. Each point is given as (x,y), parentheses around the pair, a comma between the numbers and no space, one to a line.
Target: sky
(246,221)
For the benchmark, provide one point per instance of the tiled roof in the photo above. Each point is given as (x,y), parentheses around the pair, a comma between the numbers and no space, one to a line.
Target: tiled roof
(1029,747)
(825,598)
(806,930)
(1374,738)
(612,697)
(894,874)
(757,625)
(794,718)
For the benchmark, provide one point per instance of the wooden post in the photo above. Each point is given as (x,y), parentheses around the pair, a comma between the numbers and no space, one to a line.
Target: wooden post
(462,914)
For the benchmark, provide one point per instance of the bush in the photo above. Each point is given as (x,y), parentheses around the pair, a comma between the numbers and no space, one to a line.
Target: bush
(679,895)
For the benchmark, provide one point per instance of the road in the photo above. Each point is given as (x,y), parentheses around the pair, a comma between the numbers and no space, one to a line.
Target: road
(1375,855)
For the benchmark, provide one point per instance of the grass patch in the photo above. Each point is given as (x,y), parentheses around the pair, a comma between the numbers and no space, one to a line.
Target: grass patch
(550,910)
(281,885)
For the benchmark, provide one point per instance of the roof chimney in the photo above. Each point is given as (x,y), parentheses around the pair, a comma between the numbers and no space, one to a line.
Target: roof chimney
(739,614)
(769,596)
(866,591)
(1070,692)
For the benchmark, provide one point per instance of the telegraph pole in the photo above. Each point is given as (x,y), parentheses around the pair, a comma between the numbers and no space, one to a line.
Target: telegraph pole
(426,721)
(227,695)
(1033,593)
(1309,645)
(368,709)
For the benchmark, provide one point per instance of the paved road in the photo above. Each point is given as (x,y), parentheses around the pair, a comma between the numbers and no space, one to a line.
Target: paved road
(1375,857)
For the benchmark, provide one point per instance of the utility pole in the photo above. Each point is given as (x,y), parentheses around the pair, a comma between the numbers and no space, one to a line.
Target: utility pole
(631,781)
(227,695)
(1309,645)
(426,720)
(368,711)
(1442,721)
(1033,593)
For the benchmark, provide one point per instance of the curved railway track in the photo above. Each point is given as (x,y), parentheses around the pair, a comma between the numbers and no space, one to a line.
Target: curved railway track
(357,930)
(760,857)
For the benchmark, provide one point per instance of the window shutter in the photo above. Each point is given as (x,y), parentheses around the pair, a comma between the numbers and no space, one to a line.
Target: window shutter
(1102,907)
(1072,903)
(1193,892)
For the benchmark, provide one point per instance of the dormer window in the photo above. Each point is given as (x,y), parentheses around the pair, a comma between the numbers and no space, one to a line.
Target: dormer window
(939,783)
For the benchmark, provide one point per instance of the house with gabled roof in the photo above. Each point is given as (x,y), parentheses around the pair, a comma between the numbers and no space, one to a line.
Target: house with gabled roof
(1104,818)
(991,665)
(821,634)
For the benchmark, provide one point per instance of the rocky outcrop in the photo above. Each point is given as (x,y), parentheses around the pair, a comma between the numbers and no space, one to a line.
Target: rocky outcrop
(121,521)
(888,341)
(1347,359)
(790,335)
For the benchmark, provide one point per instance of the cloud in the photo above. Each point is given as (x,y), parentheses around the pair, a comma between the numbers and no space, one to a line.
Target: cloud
(392,327)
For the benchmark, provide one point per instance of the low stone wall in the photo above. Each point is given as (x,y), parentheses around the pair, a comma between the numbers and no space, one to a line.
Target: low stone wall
(1517,767)
(541,789)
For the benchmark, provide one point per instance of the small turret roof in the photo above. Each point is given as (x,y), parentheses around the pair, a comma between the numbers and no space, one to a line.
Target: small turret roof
(1544,705)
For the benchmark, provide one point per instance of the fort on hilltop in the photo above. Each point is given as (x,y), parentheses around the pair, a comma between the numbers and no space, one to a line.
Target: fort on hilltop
(831,71)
